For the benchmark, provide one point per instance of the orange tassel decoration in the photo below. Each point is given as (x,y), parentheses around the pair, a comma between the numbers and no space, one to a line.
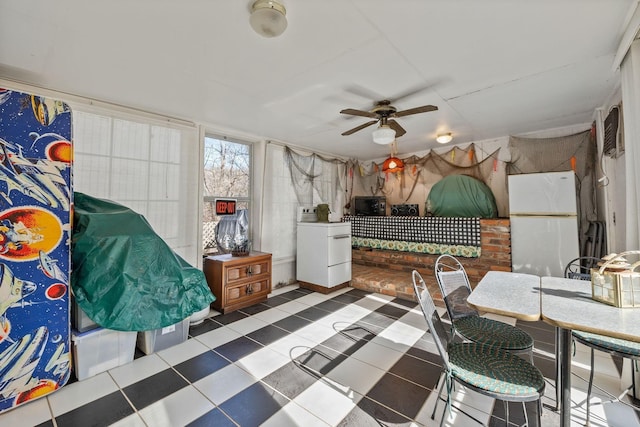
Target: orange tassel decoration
(573,163)
(495,165)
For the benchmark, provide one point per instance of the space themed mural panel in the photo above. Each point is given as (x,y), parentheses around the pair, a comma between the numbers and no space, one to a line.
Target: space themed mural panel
(35,206)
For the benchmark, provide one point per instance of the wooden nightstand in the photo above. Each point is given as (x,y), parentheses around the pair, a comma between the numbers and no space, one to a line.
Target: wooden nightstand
(238,282)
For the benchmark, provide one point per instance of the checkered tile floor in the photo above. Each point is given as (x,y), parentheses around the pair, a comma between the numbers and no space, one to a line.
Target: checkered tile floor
(349,358)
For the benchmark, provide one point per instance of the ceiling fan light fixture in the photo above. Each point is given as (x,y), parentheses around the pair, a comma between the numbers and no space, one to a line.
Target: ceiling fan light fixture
(384,135)
(443,138)
(268,18)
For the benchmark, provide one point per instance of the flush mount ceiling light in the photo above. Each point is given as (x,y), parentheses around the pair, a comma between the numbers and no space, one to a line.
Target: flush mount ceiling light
(268,18)
(384,135)
(443,138)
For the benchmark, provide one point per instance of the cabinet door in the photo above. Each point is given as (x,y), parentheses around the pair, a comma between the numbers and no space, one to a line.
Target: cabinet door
(338,274)
(240,272)
(246,292)
(339,249)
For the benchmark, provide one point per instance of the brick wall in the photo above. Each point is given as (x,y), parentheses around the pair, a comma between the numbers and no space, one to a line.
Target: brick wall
(389,272)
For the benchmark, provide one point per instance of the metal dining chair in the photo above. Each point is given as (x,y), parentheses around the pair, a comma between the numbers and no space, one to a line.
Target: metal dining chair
(466,322)
(490,371)
(580,268)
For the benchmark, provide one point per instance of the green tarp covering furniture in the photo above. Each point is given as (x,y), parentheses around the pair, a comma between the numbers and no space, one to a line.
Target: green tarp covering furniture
(125,277)
(462,196)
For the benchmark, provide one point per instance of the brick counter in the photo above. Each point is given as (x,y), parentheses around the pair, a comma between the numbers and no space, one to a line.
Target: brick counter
(389,272)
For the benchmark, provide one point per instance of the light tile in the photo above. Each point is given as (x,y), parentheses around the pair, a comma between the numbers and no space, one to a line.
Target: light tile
(262,362)
(374,354)
(329,402)
(224,383)
(132,420)
(247,325)
(217,337)
(179,408)
(81,392)
(293,415)
(183,351)
(315,333)
(28,414)
(356,375)
(313,298)
(138,370)
(292,345)
(272,315)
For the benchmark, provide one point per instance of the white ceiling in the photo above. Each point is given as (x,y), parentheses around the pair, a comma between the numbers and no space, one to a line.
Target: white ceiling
(493,67)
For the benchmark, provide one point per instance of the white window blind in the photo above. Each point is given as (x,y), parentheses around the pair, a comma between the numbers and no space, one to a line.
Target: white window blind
(150,166)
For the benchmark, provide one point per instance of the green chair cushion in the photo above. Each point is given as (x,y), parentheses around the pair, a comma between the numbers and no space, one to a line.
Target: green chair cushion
(496,372)
(623,347)
(493,333)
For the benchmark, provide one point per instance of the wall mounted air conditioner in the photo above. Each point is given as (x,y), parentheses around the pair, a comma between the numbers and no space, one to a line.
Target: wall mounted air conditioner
(613,143)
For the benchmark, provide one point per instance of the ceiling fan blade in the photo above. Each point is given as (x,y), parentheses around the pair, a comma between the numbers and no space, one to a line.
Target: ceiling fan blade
(355,112)
(356,129)
(396,126)
(423,109)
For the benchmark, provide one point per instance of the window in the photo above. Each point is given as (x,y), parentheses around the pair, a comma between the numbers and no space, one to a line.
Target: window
(148,165)
(227,175)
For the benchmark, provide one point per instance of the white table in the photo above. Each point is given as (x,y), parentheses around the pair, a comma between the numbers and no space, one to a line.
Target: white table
(510,294)
(567,304)
(564,303)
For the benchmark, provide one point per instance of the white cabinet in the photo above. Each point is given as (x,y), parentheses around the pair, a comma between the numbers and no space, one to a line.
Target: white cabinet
(324,255)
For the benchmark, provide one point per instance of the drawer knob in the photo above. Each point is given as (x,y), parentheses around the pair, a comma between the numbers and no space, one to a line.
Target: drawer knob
(249,289)
(249,271)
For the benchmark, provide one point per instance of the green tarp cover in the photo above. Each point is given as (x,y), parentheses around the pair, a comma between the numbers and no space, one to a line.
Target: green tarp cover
(462,195)
(124,276)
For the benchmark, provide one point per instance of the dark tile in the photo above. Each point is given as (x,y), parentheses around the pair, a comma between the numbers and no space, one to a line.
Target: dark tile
(267,334)
(47,423)
(292,323)
(276,301)
(399,394)
(228,318)
(346,298)
(102,412)
(238,348)
(290,379)
(319,360)
(361,332)
(358,293)
(378,319)
(405,302)
(416,370)
(200,366)
(253,405)
(329,306)
(369,413)
(213,418)
(391,311)
(255,309)
(291,295)
(154,388)
(344,343)
(206,326)
(312,313)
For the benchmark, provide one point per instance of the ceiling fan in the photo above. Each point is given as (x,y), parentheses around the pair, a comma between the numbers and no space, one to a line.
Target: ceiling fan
(385,113)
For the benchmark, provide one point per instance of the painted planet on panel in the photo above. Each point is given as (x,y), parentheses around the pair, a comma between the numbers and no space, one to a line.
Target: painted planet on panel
(59,151)
(56,291)
(43,388)
(27,230)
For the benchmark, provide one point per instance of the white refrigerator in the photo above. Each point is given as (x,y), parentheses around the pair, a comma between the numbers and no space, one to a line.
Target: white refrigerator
(544,222)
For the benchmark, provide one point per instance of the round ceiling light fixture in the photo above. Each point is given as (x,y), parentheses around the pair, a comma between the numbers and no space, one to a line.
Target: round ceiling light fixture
(443,138)
(268,18)
(384,135)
